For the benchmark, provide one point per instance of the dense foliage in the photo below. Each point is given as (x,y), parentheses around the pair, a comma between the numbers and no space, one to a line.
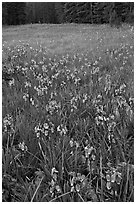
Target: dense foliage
(59,12)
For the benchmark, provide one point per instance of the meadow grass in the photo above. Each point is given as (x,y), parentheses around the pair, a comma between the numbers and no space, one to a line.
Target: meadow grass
(68,113)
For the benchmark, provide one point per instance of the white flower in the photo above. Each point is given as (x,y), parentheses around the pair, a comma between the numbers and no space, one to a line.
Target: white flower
(71,142)
(11,82)
(108,185)
(22,146)
(58,128)
(77,144)
(46,133)
(32,101)
(88,151)
(27,84)
(58,189)
(25,96)
(46,126)
(37,134)
(77,187)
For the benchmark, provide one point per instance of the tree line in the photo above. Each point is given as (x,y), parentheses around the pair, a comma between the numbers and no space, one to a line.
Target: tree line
(115,13)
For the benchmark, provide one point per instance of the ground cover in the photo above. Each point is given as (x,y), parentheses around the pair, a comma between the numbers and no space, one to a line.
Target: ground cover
(68,113)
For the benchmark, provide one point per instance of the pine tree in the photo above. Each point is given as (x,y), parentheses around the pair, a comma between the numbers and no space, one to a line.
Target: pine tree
(59,9)
(108,12)
(4,13)
(29,12)
(97,14)
(16,12)
(85,12)
(41,12)
(128,12)
(78,12)
(70,12)
(20,12)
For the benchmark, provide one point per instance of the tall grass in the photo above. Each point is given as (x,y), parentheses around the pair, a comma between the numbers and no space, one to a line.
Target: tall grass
(68,125)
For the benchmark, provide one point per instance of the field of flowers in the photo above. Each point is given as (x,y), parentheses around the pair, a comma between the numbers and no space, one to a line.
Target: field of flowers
(68,119)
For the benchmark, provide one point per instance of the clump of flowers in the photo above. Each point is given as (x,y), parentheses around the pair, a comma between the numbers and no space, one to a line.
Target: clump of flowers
(23,146)
(11,82)
(90,157)
(55,189)
(8,124)
(43,130)
(113,180)
(62,129)
(52,106)
(77,181)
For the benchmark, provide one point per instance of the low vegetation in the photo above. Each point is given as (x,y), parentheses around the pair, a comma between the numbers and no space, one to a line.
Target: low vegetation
(68,114)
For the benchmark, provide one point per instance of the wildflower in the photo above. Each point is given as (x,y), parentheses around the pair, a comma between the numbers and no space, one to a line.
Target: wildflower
(80,177)
(54,173)
(112,117)
(32,101)
(52,106)
(73,179)
(58,128)
(108,177)
(52,191)
(88,151)
(99,97)
(52,129)
(113,140)
(113,177)
(27,84)
(25,96)
(46,126)
(8,123)
(118,178)
(93,157)
(46,133)
(62,129)
(37,128)
(22,146)
(72,189)
(52,182)
(77,187)
(122,87)
(95,70)
(108,185)
(85,98)
(71,142)
(77,144)
(12,82)
(100,117)
(97,121)
(58,188)
(38,134)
